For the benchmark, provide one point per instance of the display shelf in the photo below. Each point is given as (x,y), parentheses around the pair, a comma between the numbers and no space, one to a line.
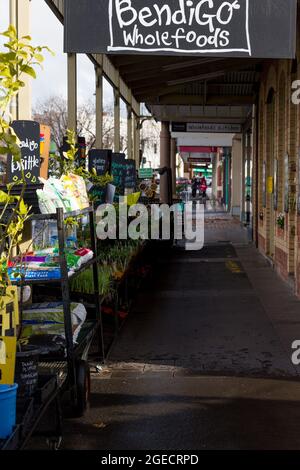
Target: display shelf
(84,267)
(30,413)
(63,374)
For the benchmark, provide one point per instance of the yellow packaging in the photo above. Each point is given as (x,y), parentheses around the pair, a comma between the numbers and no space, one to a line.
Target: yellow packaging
(9,313)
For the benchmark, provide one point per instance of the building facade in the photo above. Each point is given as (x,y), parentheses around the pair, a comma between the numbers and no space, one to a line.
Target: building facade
(276,167)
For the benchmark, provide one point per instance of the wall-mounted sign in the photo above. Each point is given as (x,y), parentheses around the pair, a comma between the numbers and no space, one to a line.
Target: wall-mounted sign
(100,161)
(28,133)
(239,28)
(81,151)
(264,184)
(206,127)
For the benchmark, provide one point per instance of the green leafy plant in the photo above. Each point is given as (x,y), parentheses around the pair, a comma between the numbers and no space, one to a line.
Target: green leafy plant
(114,260)
(17,61)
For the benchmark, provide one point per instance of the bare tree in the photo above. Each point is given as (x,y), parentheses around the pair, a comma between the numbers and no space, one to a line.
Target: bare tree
(53,113)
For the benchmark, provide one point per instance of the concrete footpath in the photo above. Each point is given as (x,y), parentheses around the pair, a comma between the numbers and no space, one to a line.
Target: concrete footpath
(204,360)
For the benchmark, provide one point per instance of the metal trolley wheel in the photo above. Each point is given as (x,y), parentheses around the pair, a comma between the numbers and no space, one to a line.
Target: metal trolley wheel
(83,387)
(54,443)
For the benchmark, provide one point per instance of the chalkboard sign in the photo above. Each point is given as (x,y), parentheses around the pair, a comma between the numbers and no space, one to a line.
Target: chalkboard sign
(118,172)
(130,174)
(216,28)
(100,160)
(28,133)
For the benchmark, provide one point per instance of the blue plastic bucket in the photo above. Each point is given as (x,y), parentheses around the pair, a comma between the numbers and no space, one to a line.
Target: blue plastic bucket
(8,405)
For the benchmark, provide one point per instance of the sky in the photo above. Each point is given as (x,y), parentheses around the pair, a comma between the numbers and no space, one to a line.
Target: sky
(52,80)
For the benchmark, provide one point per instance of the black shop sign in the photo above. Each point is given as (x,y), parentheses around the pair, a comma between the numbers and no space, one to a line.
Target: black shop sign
(236,28)
(28,133)
(118,172)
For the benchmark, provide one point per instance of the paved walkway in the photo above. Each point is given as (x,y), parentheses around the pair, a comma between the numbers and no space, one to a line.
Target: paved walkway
(204,361)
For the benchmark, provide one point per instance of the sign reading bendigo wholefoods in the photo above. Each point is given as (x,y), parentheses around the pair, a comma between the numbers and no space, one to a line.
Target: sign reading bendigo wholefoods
(235,28)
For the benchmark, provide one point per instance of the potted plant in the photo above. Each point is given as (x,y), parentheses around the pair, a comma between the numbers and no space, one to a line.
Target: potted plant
(280,221)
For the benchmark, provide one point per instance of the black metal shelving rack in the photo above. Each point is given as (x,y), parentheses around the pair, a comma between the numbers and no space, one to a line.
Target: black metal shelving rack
(64,370)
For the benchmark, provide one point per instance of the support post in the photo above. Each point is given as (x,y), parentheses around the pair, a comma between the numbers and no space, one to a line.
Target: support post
(173,164)
(99,102)
(165,153)
(136,140)
(72,92)
(117,120)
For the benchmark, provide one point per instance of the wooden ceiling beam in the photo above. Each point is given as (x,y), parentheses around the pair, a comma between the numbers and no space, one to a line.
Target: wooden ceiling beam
(191,63)
(211,71)
(192,100)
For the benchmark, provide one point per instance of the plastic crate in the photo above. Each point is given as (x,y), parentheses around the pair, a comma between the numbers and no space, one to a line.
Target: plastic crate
(46,387)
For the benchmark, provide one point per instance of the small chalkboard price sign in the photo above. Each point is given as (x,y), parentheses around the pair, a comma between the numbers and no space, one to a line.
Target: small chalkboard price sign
(100,161)
(28,133)
(118,172)
(130,174)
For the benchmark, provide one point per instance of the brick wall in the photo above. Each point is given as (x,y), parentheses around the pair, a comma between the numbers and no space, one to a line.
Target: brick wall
(281,262)
(277,137)
(261,243)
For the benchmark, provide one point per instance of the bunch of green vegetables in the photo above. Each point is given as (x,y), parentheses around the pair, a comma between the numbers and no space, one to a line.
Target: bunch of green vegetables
(114,260)
(84,283)
(18,60)
(119,255)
